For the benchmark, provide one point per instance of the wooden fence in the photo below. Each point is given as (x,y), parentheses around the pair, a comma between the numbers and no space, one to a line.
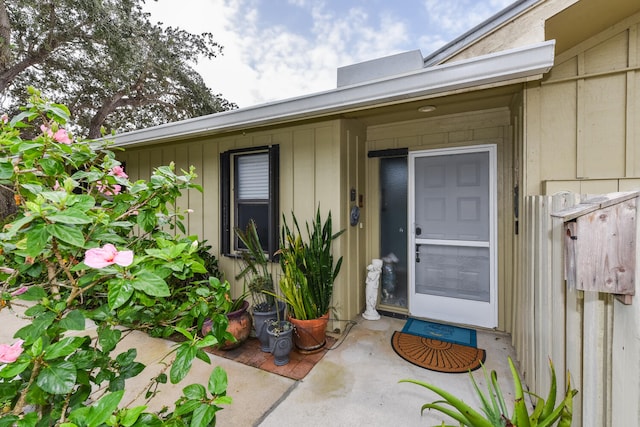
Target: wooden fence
(575,329)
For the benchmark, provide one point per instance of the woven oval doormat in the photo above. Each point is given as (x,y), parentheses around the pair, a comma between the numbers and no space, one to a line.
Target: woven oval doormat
(437,355)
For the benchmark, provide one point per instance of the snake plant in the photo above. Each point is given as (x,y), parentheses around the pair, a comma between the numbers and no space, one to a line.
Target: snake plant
(494,411)
(308,268)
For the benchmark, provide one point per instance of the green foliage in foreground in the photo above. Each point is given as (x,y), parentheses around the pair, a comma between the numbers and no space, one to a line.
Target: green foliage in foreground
(494,409)
(86,244)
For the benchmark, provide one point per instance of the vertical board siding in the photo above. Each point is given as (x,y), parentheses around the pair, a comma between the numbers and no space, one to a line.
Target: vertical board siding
(311,173)
(585,333)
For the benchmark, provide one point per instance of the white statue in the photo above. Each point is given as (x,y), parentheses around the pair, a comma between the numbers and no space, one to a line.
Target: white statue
(371,294)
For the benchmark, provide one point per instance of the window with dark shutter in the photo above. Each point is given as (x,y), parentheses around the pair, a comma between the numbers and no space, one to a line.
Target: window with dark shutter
(250,183)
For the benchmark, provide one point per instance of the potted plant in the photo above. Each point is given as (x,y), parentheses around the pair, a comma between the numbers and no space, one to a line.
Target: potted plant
(280,340)
(236,311)
(259,282)
(308,276)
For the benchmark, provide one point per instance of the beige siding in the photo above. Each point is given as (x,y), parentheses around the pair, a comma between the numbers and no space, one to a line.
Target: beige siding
(466,129)
(582,136)
(511,34)
(318,165)
(582,120)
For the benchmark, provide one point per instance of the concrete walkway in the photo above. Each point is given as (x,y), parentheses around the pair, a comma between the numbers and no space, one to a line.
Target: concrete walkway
(355,384)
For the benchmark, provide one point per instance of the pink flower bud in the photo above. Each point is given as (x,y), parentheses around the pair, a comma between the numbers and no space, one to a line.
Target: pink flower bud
(19,291)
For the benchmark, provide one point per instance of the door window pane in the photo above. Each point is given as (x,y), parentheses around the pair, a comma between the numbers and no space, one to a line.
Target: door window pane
(393,230)
(453,271)
(452,197)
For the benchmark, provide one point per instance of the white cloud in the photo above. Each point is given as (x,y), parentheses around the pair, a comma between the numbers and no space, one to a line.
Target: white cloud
(263,63)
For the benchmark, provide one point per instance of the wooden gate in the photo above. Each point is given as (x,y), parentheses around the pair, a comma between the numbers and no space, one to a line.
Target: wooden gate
(589,334)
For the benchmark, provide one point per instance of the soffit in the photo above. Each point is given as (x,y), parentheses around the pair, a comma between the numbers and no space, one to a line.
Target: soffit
(447,104)
(585,19)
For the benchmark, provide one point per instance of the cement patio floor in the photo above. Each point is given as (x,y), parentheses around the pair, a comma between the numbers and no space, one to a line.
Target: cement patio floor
(354,384)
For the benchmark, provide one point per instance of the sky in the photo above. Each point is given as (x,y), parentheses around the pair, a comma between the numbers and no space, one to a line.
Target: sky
(280,49)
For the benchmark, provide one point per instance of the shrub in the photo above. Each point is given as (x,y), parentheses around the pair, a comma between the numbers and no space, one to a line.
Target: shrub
(86,243)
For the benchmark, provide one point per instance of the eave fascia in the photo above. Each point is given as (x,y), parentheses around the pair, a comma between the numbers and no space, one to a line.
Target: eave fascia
(528,62)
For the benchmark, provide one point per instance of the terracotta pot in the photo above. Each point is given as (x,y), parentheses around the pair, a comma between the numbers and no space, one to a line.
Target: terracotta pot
(310,335)
(240,325)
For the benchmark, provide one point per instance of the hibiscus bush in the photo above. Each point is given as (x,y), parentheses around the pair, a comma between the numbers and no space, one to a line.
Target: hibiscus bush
(87,246)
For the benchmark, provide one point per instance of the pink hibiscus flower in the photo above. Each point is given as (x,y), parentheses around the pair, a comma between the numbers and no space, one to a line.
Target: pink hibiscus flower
(107,255)
(10,353)
(60,135)
(109,190)
(118,172)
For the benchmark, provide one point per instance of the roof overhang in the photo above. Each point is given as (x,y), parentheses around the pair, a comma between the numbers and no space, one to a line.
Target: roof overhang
(524,64)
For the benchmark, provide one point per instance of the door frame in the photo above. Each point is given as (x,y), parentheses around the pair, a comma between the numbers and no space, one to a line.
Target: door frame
(492,320)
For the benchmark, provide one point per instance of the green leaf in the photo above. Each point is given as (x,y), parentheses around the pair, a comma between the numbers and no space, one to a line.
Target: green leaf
(29,420)
(16,226)
(70,216)
(468,412)
(51,167)
(130,416)
(57,197)
(37,238)
(34,293)
(217,381)
(36,348)
(195,392)
(207,341)
(223,400)
(184,332)
(551,397)
(184,359)
(187,407)
(32,332)
(147,220)
(119,293)
(520,411)
(13,369)
(108,338)
(203,415)
(70,235)
(57,378)
(8,420)
(73,321)
(60,111)
(151,284)
(64,347)
(81,202)
(6,170)
(100,413)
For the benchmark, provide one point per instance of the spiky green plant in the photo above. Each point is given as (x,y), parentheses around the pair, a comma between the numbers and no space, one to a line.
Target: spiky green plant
(319,266)
(308,268)
(255,268)
(494,409)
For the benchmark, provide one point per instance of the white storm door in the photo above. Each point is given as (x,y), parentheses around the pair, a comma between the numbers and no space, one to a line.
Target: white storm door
(452,244)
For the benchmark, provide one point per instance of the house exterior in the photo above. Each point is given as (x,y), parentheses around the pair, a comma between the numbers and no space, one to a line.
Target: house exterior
(435,164)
